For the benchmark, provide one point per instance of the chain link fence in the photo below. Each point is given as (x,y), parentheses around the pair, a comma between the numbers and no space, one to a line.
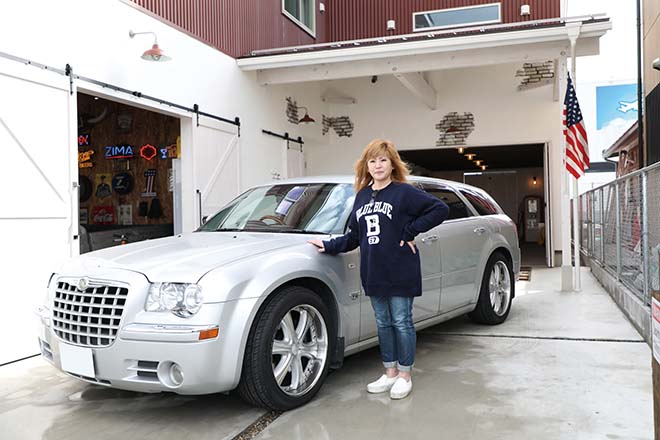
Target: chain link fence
(621,229)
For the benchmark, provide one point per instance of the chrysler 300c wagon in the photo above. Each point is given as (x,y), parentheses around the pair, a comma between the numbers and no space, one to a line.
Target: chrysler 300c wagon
(246,303)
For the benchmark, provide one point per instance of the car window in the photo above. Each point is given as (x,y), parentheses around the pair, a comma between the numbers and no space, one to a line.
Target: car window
(483,203)
(312,207)
(457,208)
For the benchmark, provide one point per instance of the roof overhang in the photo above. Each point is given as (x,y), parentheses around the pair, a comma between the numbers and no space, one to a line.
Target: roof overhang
(629,139)
(447,50)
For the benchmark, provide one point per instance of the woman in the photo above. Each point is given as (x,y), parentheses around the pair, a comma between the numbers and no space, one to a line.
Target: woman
(387,215)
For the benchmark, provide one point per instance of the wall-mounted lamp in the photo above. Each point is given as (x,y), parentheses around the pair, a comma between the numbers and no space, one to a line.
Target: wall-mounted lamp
(305,119)
(461,150)
(153,54)
(534,180)
(483,167)
(470,156)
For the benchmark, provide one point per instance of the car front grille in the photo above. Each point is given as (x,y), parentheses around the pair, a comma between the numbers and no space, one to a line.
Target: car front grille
(90,317)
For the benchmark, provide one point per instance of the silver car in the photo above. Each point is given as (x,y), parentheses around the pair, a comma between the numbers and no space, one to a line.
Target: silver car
(246,303)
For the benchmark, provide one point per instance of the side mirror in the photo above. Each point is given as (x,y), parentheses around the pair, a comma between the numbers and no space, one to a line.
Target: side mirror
(204,219)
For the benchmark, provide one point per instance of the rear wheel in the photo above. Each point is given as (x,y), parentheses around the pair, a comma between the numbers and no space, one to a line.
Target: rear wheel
(497,290)
(287,354)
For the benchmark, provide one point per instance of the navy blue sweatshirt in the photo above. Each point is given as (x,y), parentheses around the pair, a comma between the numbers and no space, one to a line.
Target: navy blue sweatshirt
(379,221)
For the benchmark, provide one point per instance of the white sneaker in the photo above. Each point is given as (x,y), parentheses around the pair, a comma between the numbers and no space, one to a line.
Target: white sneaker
(401,388)
(382,385)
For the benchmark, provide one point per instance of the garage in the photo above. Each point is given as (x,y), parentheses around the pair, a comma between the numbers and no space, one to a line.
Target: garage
(515,175)
(126,162)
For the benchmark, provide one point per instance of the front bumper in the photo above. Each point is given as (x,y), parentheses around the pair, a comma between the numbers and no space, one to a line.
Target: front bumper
(142,355)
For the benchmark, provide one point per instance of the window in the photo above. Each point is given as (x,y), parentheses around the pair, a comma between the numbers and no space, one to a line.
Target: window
(457,208)
(446,18)
(302,12)
(483,203)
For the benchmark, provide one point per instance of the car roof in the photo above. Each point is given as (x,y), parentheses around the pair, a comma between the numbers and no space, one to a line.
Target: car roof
(350,179)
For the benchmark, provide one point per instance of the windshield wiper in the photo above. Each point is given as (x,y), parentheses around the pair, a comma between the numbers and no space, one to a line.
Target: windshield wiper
(302,231)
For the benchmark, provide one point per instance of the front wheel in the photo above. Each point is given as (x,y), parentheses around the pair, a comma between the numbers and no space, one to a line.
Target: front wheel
(496,293)
(286,357)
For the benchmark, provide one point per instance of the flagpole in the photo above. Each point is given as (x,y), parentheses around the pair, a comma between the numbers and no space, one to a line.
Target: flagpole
(576,213)
(566,269)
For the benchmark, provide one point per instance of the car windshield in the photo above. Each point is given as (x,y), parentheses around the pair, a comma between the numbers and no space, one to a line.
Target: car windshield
(298,208)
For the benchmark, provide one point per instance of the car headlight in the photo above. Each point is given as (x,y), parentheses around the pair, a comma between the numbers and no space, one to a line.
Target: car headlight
(182,299)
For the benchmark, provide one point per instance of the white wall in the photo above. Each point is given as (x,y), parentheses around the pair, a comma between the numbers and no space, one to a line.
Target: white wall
(93,38)
(503,116)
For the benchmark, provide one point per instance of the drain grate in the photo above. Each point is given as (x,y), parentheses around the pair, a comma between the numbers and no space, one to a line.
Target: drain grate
(525,273)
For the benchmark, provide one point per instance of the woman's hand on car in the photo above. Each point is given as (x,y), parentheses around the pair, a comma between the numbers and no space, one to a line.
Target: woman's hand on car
(411,244)
(318,243)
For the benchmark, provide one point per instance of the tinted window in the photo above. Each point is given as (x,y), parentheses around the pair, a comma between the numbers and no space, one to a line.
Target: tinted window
(457,208)
(483,203)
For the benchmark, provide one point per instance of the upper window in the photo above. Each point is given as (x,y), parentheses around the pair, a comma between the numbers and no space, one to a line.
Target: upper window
(457,208)
(446,18)
(302,12)
(483,203)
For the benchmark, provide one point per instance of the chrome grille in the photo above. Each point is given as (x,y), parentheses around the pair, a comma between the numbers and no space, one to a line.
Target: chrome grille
(90,317)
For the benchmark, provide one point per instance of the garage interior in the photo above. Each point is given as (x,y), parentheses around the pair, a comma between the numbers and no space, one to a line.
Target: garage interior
(125,165)
(512,174)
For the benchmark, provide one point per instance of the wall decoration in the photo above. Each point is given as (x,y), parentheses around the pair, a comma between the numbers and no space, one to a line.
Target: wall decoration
(122,183)
(83,216)
(121,165)
(125,215)
(103,215)
(291,111)
(84,188)
(150,176)
(85,159)
(119,152)
(454,129)
(103,189)
(155,209)
(342,125)
(125,121)
(536,75)
(148,151)
(83,140)
(86,120)
(170,179)
(168,152)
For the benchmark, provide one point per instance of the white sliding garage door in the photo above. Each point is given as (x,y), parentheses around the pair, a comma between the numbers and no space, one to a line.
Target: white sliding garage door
(215,163)
(38,167)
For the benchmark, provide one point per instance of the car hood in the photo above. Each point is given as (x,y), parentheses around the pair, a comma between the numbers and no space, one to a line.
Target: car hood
(183,258)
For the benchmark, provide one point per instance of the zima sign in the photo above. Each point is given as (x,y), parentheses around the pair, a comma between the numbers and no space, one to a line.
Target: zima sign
(119,152)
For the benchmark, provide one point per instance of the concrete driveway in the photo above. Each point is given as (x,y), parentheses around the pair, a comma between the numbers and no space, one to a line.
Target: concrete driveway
(564,366)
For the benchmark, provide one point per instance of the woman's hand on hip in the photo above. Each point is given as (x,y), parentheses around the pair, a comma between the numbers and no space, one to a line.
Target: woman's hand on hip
(411,245)
(318,243)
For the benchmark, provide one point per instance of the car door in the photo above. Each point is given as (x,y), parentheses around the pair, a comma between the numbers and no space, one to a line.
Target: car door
(461,239)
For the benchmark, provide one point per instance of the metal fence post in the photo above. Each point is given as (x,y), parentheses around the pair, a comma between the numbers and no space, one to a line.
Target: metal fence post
(618,231)
(645,236)
(602,228)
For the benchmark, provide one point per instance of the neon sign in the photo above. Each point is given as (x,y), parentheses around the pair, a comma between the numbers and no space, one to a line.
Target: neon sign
(148,151)
(85,159)
(119,152)
(83,140)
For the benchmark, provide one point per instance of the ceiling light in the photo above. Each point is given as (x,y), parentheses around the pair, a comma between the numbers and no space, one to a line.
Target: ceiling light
(534,180)
(478,162)
(461,150)
(470,156)
(153,54)
(483,167)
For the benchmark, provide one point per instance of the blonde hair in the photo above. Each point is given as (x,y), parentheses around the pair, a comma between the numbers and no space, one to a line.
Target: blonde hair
(376,148)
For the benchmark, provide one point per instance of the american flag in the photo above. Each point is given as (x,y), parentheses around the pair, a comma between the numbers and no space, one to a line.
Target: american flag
(577,146)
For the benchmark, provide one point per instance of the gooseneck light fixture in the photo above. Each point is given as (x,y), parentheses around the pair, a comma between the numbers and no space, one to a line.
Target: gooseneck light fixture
(153,54)
(305,119)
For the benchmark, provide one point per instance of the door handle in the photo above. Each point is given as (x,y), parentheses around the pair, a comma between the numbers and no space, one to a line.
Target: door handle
(429,238)
(354,295)
(480,230)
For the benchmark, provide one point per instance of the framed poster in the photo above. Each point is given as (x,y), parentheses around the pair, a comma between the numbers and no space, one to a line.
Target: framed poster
(83,216)
(125,216)
(103,215)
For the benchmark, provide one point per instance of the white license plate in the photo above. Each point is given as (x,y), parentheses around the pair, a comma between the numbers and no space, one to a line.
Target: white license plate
(77,360)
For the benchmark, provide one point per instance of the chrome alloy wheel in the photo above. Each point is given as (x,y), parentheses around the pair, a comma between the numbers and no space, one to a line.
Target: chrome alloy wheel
(300,350)
(499,288)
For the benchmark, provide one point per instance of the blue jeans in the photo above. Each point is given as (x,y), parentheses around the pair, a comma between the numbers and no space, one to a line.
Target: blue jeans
(396,332)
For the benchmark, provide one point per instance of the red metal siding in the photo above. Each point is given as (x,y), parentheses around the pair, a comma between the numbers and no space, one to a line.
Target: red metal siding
(355,19)
(236,26)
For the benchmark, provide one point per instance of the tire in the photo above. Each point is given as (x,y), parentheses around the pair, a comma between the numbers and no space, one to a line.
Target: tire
(496,292)
(282,370)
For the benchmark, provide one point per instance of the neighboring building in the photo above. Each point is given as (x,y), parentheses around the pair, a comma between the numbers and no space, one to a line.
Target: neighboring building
(103,147)
(651,69)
